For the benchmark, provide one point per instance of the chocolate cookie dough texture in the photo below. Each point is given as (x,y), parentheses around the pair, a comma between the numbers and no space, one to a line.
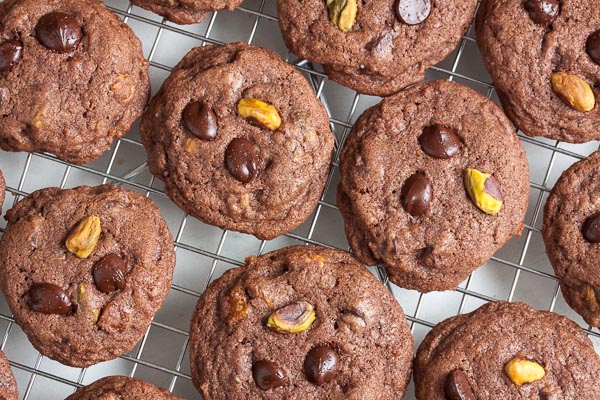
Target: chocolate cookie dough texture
(544,59)
(506,351)
(64,87)
(84,270)
(571,232)
(8,385)
(303,322)
(375,47)
(458,194)
(239,139)
(186,11)
(121,387)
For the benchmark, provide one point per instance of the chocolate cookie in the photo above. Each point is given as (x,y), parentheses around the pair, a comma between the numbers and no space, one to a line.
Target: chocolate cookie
(121,388)
(506,351)
(571,233)
(84,270)
(186,11)
(239,139)
(433,182)
(303,322)
(64,87)
(2,189)
(8,385)
(375,47)
(544,58)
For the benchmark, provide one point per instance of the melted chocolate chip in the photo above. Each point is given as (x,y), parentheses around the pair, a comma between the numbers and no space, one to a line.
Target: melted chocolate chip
(457,386)
(59,32)
(47,298)
(241,160)
(416,194)
(592,46)
(109,273)
(591,228)
(542,12)
(10,53)
(267,375)
(439,141)
(320,365)
(412,12)
(200,120)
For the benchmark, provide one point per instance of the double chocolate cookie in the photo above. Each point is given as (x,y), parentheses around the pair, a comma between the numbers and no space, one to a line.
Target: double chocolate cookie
(65,88)
(8,385)
(303,322)
(433,182)
(186,11)
(121,387)
(239,139)
(375,47)
(544,58)
(84,270)
(571,233)
(506,351)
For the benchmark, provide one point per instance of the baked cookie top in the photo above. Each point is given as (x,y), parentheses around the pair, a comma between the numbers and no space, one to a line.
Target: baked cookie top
(544,59)
(239,139)
(303,322)
(506,351)
(186,11)
(8,385)
(433,182)
(375,47)
(121,388)
(84,270)
(65,88)
(571,232)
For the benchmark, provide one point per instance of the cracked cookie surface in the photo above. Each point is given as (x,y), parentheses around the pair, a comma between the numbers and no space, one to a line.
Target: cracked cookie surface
(121,388)
(55,295)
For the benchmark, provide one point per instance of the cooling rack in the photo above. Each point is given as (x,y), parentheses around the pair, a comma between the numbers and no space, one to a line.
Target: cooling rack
(520,271)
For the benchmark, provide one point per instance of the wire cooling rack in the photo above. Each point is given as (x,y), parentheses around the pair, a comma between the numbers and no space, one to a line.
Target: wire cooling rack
(519,271)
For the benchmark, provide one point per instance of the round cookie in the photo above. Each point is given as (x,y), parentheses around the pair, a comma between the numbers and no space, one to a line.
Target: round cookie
(472,354)
(403,192)
(571,233)
(8,385)
(186,11)
(65,88)
(526,49)
(121,387)
(387,46)
(220,163)
(84,270)
(350,338)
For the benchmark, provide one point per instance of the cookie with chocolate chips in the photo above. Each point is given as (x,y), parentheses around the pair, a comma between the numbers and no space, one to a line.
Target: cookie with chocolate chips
(433,182)
(544,59)
(506,351)
(375,47)
(121,387)
(239,139)
(186,11)
(72,78)
(84,270)
(303,322)
(571,232)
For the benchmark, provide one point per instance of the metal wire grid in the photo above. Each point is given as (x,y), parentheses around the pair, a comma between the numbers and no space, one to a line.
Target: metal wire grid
(518,271)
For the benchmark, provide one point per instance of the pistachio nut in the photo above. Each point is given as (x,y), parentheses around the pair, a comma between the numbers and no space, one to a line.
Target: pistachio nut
(342,13)
(259,112)
(293,318)
(574,91)
(83,238)
(484,190)
(522,371)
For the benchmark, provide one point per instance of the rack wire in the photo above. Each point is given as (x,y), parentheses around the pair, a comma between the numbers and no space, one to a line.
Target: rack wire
(519,271)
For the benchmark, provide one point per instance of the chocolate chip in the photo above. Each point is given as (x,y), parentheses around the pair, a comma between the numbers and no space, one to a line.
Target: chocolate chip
(542,12)
(10,53)
(591,228)
(267,375)
(59,31)
(320,365)
(109,273)
(240,159)
(412,12)
(458,387)
(200,120)
(48,298)
(592,46)
(439,141)
(416,194)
